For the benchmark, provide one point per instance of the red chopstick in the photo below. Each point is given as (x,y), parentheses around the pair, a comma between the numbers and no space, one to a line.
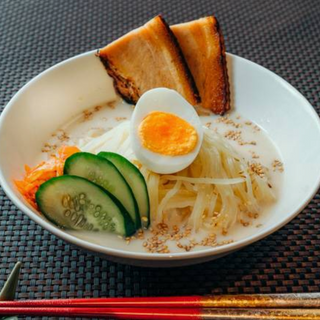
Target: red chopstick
(168,302)
(169,313)
(116,313)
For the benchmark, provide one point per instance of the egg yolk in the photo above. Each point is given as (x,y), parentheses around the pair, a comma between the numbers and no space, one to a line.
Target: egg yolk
(167,134)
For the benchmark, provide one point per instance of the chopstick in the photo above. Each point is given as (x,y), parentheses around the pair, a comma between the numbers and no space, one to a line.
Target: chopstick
(300,300)
(168,313)
(303,306)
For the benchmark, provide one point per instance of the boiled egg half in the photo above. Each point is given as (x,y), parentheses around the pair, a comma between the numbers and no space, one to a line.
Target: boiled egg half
(166,131)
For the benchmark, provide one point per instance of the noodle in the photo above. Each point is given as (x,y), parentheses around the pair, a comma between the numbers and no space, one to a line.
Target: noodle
(213,193)
(204,180)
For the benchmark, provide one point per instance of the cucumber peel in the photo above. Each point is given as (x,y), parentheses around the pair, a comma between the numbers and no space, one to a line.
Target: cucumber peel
(135,180)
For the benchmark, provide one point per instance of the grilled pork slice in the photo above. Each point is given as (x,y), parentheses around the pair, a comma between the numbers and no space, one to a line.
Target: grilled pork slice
(202,44)
(146,58)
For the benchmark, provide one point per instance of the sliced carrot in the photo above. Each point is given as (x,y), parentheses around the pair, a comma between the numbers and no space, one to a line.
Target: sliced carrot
(42,172)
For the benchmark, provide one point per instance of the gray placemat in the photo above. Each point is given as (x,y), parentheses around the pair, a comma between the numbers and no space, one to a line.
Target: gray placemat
(280,35)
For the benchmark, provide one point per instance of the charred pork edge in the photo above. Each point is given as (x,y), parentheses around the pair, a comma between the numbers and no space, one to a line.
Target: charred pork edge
(223,61)
(118,80)
(182,59)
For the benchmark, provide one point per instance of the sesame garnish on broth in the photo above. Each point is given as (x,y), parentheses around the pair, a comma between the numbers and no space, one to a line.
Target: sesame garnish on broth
(277,165)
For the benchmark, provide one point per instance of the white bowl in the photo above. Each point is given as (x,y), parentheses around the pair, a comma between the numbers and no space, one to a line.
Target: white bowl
(61,92)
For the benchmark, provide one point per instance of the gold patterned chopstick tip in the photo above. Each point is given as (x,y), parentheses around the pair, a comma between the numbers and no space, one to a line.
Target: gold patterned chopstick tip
(261,314)
(290,300)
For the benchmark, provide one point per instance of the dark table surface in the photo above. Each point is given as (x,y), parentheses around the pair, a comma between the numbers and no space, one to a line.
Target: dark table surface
(280,35)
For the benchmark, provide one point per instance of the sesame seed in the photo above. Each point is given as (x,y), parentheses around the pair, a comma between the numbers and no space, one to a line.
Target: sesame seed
(49,147)
(120,118)
(111,104)
(244,223)
(257,168)
(161,233)
(254,155)
(277,166)
(235,135)
(229,122)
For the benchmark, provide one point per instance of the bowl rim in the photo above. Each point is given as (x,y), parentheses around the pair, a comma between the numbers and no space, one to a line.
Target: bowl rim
(87,245)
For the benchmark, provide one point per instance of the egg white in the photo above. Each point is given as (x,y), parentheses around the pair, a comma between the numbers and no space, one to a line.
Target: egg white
(169,101)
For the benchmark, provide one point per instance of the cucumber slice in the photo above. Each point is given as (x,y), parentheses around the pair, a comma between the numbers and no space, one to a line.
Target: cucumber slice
(103,173)
(76,203)
(135,180)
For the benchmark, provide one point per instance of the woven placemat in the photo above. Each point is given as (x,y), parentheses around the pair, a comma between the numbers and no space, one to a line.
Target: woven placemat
(280,35)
